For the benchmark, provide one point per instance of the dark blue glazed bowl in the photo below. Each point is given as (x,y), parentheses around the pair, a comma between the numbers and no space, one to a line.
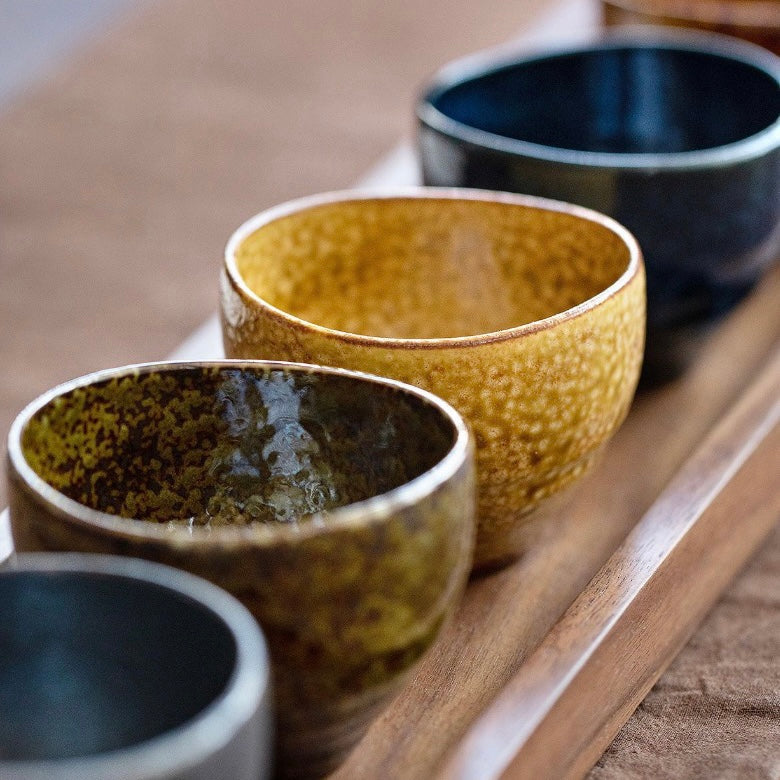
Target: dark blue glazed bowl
(676,135)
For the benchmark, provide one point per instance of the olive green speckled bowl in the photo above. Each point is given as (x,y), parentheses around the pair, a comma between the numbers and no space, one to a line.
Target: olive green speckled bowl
(337,506)
(527,315)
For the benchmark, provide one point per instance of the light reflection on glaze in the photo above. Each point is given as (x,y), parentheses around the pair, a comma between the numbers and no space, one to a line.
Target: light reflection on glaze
(268,452)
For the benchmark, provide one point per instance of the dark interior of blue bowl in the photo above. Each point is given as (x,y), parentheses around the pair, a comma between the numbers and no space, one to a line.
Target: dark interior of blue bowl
(91,663)
(621,100)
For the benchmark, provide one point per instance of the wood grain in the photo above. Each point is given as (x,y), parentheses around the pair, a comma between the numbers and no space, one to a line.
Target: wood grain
(565,705)
(505,616)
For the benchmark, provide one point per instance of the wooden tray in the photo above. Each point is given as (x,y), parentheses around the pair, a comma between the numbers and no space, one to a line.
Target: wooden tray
(547,659)
(518,685)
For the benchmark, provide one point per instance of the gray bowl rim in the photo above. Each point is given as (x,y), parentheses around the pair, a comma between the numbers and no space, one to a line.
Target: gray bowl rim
(505,57)
(247,692)
(374,510)
(633,267)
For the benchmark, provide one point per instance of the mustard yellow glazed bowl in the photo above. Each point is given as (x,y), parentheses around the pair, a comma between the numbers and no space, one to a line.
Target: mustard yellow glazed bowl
(338,507)
(527,315)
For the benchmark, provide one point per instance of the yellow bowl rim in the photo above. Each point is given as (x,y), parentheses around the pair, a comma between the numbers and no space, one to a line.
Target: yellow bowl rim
(290,208)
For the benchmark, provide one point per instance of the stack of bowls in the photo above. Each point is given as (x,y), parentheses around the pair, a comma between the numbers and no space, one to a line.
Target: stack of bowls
(339,507)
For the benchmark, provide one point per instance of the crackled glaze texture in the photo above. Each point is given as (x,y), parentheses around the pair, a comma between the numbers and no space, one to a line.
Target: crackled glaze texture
(249,476)
(403,287)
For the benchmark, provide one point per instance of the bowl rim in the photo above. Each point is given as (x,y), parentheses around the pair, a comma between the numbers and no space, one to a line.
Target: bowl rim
(245,697)
(494,60)
(454,194)
(371,511)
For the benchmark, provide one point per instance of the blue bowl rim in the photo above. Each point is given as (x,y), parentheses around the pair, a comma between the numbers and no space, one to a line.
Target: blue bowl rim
(494,60)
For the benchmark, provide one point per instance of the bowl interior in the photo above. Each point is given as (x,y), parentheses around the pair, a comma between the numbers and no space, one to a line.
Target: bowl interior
(624,100)
(421,268)
(215,446)
(93,663)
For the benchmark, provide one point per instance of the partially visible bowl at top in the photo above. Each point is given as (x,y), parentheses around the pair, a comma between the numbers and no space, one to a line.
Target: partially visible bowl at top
(526,315)
(757,21)
(674,134)
(337,507)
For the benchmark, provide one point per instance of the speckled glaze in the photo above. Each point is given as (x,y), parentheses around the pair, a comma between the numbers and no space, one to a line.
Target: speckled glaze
(373,487)
(757,21)
(675,134)
(526,315)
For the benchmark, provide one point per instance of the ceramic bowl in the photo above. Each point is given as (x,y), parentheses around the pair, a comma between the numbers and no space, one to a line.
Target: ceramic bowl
(757,21)
(526,315)
(124,669)
(339,508)
(677,136)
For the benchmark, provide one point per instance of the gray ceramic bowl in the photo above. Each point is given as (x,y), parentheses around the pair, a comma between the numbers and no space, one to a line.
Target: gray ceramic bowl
(119,668)
(675,135)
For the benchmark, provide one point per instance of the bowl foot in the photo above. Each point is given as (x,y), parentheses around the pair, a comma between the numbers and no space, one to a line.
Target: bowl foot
(523,534)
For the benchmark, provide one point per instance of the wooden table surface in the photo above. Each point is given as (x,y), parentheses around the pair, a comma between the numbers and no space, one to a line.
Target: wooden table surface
(123,172)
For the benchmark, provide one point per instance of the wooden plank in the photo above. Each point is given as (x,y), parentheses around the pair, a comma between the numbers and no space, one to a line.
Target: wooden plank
(570,698)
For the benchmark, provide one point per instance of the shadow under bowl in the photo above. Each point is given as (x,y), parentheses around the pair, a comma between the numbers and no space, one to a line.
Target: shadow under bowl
(675,135)
(757,21)
(337,507)
(526,315)
(120,668)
